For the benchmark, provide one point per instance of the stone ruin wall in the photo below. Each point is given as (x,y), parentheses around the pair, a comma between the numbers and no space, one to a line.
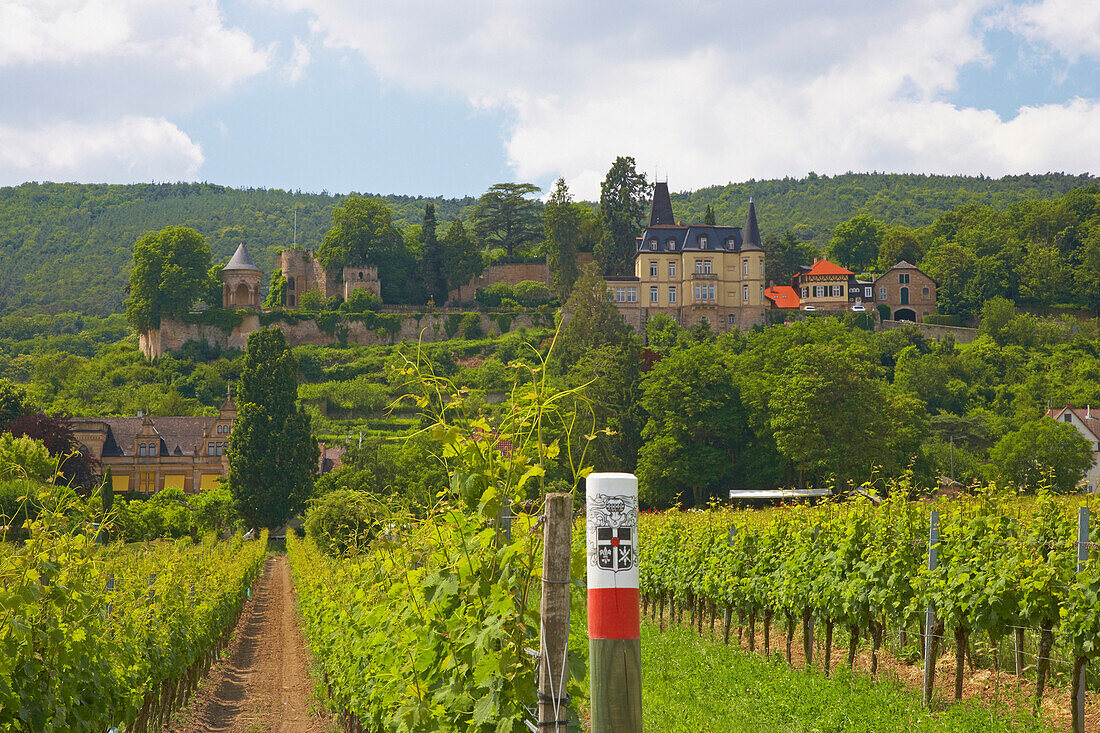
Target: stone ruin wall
(510,273)
(172,335)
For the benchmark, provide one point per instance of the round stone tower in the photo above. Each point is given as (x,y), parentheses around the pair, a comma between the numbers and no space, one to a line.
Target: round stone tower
(241,281)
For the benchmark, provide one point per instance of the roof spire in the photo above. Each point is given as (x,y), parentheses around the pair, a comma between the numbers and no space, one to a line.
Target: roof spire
(751,238)
(661,213)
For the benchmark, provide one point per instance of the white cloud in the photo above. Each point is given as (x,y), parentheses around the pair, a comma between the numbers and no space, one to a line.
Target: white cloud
(712,92)
(1069,27)
(132,149)
(299,60)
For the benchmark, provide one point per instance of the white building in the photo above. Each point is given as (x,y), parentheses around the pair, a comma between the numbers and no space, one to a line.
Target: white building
(1087,423)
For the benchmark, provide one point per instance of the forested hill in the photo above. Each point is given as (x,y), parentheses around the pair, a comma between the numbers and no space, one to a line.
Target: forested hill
(67,247)
(810,207)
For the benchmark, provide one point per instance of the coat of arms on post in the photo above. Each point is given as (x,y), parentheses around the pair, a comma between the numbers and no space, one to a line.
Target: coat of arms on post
(611,540)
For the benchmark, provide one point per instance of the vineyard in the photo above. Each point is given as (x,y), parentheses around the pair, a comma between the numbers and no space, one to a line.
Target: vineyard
(110,636)
(1005,586)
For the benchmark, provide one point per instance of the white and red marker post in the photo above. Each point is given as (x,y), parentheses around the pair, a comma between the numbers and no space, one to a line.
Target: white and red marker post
(614,608)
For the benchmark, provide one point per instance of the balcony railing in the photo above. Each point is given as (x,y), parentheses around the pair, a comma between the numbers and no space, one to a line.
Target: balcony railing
(704,276)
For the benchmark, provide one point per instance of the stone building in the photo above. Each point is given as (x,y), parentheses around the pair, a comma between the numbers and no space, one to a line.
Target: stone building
(909,293)
(147,453)
(694,272)
(303,273)
(241,281)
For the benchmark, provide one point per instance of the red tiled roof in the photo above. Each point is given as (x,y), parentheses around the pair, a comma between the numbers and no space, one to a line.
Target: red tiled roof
(783,296)
(824,267)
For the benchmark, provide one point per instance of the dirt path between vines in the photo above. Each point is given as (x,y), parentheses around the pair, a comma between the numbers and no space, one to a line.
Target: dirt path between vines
(263,682)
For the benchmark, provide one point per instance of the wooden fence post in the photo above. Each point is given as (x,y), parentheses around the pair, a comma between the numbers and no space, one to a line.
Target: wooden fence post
(614,629)
(554,652)
(1078,692)
(930,613)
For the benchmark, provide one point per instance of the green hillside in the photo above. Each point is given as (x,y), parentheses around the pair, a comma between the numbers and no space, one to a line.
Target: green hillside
(810,207)
(66,247)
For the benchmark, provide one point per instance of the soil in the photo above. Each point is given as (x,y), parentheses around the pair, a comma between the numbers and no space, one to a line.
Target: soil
(263,682)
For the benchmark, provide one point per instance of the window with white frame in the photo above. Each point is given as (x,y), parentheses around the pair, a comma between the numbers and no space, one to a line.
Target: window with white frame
(672,269)
(702,241)
(620,295)
(868,292)
(672,295)
(805,291)
(632,295)
(697,296)
(819,291)
(653,244)
(670,244)
(745,293)
(143,450)
(711,293)
(731,318)
(835,291)
(744,268)
(653,268)
(761,267)
(882,293)
(653,294)
(903,278)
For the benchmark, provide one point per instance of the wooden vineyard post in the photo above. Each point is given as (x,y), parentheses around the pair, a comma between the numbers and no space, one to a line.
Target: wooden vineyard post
(553,667)
(614,626)
(1078,681)
(930,614)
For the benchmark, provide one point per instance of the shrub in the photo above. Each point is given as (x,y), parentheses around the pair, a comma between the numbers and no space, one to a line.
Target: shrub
(451,324)
(470,326)
(214,510)
(531,293)
(492,296)
(312,300)
(342,522)
(361,300)
(25,458)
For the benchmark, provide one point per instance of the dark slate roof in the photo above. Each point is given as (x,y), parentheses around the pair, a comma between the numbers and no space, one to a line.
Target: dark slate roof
(241,260)
(752,230)
(661,211)
(687,238)
(178,435)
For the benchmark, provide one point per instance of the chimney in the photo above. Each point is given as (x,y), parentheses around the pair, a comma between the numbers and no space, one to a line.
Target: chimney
(1088,412)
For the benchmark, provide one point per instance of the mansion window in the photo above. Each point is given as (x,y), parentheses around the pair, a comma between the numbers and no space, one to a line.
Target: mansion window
(731,318)
(210,449)
(835,291)
(632,295)
(672,295)
(705,292)
(702,241)
(147,482)
(702,267)
(653,245)
(761,267)
(142,450)
(903,278)
(672,269)
(671,244)
(745,293)
(653,294)
(744,268)
(925,293)
(805,291)
(819,291)
(882,293)
(868,292)
(653,268)
(761,293)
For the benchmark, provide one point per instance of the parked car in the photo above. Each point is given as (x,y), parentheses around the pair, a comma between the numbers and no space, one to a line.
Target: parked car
(857,308)
(808,308)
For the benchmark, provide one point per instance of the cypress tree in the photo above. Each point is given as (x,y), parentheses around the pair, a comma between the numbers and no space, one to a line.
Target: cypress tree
(272,455)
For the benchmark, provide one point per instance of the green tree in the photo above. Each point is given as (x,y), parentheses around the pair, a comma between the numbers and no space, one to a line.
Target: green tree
(312,300)
(169,274)
(461,259)
(831,415)
(624,195)
(505,218)
(431,258)
(899,243)
(708,217)
(997,314)
(1087,274)
(591,321)
(562,228)
(276,294)
(695,424)
(663,333)
(1040,450)
(14,403)
(363,233)
(855,243)
(272,455)
(783,255)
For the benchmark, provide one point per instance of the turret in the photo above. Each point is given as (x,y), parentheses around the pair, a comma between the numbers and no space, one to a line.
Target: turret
(241,281)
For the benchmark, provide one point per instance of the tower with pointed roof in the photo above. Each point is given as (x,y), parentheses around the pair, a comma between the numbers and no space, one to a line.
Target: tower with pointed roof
(241,281)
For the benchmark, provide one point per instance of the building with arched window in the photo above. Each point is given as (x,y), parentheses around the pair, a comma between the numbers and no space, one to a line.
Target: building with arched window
(241,281)
(907,292)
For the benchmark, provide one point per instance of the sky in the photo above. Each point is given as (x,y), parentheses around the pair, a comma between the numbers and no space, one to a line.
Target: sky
(448,98)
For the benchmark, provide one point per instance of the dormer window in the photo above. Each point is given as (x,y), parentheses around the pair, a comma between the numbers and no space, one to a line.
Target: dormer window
(653,244)
(670,244)
(731,243)
(143,450)
(702,241)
